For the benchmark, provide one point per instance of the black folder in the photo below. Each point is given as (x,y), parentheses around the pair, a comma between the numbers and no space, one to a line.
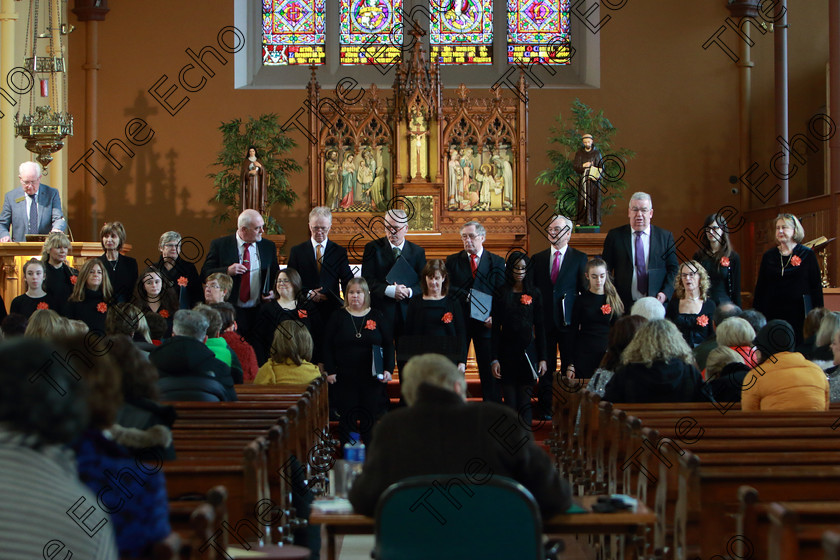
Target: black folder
(402,273)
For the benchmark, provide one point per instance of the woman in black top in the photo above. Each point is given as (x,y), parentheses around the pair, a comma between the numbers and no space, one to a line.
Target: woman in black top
(519,352)
(353,334)
(595,311)
(434,322)
(789,283)
(690,308)
(35,296)
(289,305)
(152,296)
(122,270)
(721,262)
(178,273)
(90,298)
(59,278)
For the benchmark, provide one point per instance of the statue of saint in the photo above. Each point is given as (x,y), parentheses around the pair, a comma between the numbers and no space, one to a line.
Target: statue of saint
(455,176)
(252,183)
(417,133)
(589,165)
(377,188)
(332,179)
(504,175)
(348,180)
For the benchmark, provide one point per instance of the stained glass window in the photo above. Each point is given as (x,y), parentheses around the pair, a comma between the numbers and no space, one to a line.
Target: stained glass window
(538,32)
(370,31)
(294,32)
(462,33)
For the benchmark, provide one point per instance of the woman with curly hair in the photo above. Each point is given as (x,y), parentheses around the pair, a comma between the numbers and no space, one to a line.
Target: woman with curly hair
(59,278)
(519,350)
(721,262)
(91,295)
(657,366)
(691,309)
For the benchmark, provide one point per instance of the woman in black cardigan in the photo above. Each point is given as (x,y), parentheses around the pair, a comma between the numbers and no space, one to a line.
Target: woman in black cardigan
(90,298)
(122,270)
(178,273)
(59,278)
(721,262)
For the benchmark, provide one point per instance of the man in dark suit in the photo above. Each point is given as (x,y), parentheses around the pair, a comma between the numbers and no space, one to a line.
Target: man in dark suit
(440,433)
(558,274)
(32,208)
(245,255)
(476,268)
(322,264)
(641,257)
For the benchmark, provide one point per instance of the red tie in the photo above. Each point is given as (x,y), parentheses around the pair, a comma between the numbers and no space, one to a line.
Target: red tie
(245,280)
(473,264)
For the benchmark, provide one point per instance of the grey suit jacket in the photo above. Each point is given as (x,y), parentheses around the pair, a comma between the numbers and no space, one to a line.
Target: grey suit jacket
(14,214)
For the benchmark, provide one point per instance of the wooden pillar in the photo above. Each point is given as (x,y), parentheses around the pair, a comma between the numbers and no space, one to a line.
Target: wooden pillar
(780,52)
(8,20)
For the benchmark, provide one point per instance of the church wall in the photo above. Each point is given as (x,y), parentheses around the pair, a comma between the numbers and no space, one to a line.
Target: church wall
(673,102)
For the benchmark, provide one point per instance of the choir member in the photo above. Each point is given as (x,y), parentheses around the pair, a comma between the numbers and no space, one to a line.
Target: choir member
(91,296)
(59,277)
(122,270)
(721,262)
(178,273)
(691,309)
(217,288)
(35,296)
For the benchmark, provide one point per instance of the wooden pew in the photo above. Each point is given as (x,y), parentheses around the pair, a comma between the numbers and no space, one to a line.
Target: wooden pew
(831,545)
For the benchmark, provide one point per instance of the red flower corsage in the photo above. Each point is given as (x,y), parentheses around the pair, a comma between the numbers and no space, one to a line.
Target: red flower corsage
(447,317)
(182,281)
(702,320)
(724,262)
(525,299)
(370,325)
(795,261)
(606,309)
(164,313)
(302,313)
(102,307)
(73,279)
(43,305)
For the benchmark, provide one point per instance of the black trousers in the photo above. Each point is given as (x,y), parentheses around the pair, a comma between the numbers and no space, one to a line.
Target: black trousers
(479,334)
(559,341)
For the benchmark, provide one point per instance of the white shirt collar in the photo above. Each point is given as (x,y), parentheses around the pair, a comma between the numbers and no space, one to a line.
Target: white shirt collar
(322,243)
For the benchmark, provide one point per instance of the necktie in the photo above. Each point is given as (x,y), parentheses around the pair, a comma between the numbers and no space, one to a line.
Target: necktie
(473,264)
(641,267)
(397,253)
(555,267)
(318,256)
(33,214)
(245,279)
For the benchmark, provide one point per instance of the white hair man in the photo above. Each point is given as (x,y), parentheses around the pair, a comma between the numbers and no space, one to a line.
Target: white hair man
(31,208)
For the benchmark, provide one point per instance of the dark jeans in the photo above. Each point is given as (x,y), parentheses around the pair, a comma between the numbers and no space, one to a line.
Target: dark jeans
(518,397)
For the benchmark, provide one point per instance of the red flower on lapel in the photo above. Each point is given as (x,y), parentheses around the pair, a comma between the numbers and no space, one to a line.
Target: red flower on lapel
(447,317)
(702,320)
(606,309)
(102,307)
(164,313)
(370,325)
(795,261)
(302,313)
(724,262)
(43,305)
(526,299)
(182,281)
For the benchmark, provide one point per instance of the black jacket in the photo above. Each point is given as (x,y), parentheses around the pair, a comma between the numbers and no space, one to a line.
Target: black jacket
(489,278)
(335,270)
(727,386)
(189,371)
(671,381)
(558,299)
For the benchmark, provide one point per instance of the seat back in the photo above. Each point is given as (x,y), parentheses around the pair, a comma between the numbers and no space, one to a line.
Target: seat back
(447,516)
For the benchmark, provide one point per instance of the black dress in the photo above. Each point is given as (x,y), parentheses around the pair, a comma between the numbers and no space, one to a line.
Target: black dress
(590,327)
(788,293)
(194,291)
(58,282)
(434,326)
(26,305)
(123,276)
(361,397)
(271,315)
(91,311)
(725,280)
(695,327)
(518,329)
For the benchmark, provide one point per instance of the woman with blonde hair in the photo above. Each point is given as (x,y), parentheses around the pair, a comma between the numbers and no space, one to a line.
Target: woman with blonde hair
(91,296)
(657,366)
(725,372)
(59,277)
(46,324)
(691,309)
(291,353)
(738,334)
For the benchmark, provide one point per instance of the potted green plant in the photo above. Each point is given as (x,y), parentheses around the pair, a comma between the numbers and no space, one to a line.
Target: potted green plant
(267,135)
(562,175)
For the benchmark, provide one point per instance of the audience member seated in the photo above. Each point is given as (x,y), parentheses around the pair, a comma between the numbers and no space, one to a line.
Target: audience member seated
(725,372)
(648,307)
(91,296)
(290,354)
(809,331)
(219,345)
(439,433)
(14,324)
(217,288)
(157,327)
(125,318)
(42,410)
(738,334)
(140,409)
(189,371)
(621,333)
(35,296)
(59,279)
(243,350)
(657,366)
(722,312)
(756,319)
(135,496)
(834,371)
(75,327)
(46,324)
(822,355)
(783,379)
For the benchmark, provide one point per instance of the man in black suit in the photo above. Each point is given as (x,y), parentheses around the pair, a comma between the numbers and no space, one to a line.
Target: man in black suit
(322,264)
(476,268)
(641,257)
(558,274)
(245,255)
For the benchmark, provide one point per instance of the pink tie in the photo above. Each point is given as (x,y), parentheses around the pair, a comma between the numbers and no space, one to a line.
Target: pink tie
(555,267)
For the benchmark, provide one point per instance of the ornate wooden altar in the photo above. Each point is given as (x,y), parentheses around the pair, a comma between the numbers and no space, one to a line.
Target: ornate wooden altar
(446,160)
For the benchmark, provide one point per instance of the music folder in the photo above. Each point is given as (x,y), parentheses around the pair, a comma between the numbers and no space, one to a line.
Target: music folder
(402,273)
(480,304)
(378,363)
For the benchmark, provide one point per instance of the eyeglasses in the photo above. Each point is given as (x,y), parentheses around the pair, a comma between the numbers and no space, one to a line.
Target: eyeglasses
(212,286)
(688,274)
(637,210)
(469,236)
(319,228)
(171,245)
(555,230)
(281,281)
(29,183)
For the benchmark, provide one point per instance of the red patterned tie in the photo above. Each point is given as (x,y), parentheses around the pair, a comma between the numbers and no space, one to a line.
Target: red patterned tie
(473,264)
(245,280)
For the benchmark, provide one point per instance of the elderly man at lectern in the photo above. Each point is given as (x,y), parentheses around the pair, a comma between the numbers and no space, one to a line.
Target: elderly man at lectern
(32,208)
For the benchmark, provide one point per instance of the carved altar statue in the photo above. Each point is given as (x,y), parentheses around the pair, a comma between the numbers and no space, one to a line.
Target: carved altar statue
(332,180)
(418,154)
(252,184)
